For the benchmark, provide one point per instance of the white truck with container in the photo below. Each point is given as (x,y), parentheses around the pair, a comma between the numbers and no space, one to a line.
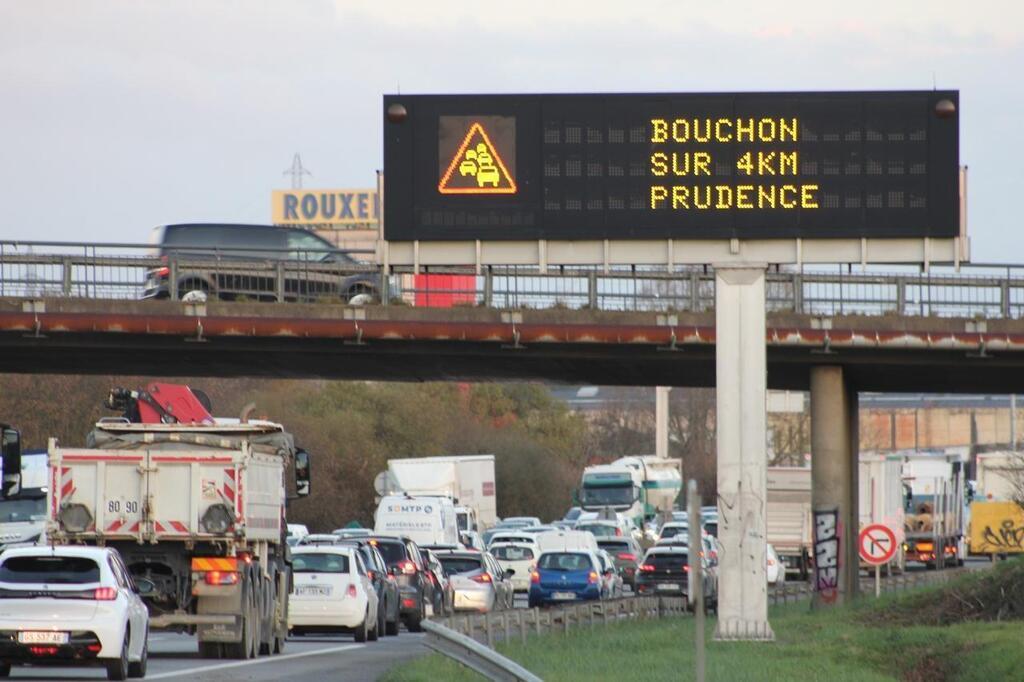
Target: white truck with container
(936,519)
(426,520)
(467,480)
(639,487)
(882,497)
(788,518)
(196,506)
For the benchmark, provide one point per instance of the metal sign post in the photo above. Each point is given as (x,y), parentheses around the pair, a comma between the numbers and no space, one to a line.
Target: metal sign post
(877,545)
(695,585)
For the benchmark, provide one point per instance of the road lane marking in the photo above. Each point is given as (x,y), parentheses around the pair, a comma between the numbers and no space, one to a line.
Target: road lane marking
(255,661)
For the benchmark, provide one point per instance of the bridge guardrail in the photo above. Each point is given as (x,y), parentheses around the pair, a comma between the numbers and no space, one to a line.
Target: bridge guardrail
(119,271)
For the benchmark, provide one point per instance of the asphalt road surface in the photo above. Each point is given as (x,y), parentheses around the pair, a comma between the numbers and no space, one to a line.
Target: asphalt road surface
(313,657)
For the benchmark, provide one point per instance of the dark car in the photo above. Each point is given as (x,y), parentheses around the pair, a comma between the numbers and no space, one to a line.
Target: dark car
(259,262)
(627,554)
(388,598)
(444,594)
(405,563)
(666,570)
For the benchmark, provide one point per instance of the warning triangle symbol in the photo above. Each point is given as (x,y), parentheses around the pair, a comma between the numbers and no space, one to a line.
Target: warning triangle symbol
(477,167)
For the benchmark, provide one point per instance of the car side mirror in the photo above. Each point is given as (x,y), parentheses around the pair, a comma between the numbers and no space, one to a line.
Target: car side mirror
(302,471)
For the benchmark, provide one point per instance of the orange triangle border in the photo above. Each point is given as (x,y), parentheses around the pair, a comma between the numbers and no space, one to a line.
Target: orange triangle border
(442,186)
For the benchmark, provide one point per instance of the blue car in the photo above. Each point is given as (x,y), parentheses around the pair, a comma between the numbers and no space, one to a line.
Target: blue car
(565,576)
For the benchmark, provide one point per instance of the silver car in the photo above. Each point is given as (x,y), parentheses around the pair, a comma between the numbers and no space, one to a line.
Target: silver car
(478,581)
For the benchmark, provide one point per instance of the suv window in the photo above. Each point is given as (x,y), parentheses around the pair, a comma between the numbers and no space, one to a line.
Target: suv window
(394,552)
(49,569)
(240,240)
(613,545)
(674,561)
(319,563)
(512,553)
(565,561)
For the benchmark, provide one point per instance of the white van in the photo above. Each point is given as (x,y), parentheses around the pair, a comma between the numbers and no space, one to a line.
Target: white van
(567,541)
(425,520)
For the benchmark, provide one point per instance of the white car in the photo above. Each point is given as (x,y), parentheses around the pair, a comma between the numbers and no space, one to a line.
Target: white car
(776,570)
(518,557)
(332,593)
(516,536)
(80,607)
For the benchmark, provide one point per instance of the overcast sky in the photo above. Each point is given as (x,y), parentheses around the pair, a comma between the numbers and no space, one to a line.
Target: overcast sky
(118,116)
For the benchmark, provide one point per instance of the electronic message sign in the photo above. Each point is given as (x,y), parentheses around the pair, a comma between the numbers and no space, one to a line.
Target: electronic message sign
(684,166)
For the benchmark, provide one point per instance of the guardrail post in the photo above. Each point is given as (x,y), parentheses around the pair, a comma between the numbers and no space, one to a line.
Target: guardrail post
(536,620)
(505,617)
(279,281)
(798,293)
(488,630)
(385,285)
(66,275)
(592,289)
(522,627)
(172,277)
(488,288)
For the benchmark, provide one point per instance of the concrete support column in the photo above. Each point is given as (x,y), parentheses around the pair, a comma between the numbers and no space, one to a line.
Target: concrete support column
(741,423)
(834,465)
(661,421)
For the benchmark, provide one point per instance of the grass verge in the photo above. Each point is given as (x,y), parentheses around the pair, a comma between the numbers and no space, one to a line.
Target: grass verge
(846,644)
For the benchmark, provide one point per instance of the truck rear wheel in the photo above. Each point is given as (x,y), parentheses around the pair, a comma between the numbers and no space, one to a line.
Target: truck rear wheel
(248,645)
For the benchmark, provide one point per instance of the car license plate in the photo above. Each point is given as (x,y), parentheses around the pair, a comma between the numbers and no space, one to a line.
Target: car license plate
(669,587)
(563,595)
(313,590)
(43,637)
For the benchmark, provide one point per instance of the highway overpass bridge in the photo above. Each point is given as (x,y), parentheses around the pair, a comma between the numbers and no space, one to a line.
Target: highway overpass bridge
(402,343)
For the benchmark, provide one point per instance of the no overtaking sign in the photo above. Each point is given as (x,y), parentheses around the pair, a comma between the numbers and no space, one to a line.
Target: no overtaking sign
(877,544)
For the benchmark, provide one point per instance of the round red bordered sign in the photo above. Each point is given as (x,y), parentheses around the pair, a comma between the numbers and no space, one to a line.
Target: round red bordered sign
(877,544)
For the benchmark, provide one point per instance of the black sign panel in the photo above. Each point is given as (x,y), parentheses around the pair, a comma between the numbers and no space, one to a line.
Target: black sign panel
(685,166)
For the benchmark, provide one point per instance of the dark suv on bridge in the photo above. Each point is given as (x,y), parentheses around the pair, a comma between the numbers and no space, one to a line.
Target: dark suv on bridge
(257,262)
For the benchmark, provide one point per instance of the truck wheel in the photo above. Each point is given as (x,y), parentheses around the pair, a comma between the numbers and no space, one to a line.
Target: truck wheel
(246,646)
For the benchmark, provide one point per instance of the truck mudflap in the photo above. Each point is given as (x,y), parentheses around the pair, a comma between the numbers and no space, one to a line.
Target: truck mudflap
(228,630)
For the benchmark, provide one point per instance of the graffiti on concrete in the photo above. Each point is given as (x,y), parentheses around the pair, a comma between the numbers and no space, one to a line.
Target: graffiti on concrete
(826,554)
(997,527)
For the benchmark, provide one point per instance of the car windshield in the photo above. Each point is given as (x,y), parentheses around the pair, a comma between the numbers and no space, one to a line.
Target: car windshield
(604,495)
(31,509)
(565,561)
(672,531)
(49,569)
(675,561)
(573,514)
(393,552)
(599,529)
(457,564)
(319,563)
(512,553)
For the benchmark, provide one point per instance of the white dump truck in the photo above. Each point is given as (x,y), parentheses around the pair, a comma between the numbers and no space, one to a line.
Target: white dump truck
(467,480)
(638,488)
(196,509)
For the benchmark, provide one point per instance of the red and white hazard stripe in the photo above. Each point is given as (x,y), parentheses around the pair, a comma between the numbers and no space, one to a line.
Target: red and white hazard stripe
(171,527)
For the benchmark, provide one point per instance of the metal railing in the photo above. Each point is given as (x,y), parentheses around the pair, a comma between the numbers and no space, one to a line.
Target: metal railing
(474,655)
(133,271)
(898,582)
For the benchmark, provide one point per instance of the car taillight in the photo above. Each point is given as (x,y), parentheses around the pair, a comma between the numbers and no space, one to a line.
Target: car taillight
(408,567)
(647,568)
(351,591)
(593,577)
(618,531)
(221,577)
(105,594)
(482,578)
(686,568)
(162,272)
(626,556)
(535,577)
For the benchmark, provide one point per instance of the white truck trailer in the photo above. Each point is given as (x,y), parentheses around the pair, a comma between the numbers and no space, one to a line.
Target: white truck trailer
(788,518)
(467,480)
(638,487)
(882,497)
(198,513)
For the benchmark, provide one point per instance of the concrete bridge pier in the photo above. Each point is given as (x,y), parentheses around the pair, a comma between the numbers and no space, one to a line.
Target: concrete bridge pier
(741,389)
(834,465)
